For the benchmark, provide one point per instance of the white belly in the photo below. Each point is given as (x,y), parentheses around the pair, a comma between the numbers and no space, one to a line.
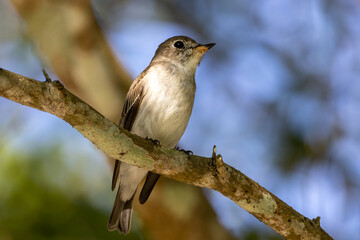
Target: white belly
(166,108)
(163,115)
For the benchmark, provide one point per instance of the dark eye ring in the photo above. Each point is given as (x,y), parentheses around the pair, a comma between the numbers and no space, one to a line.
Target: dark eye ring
(179,44)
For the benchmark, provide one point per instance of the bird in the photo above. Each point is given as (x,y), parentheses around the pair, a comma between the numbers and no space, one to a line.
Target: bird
(157,106)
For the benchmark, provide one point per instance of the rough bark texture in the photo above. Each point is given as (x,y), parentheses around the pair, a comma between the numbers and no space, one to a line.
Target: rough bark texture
(210,173)
(67,36)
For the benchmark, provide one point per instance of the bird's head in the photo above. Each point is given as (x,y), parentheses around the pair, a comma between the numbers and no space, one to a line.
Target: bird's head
(182,51)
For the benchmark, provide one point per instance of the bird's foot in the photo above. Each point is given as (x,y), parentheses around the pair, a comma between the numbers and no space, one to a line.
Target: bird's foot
(154,141)
(187,152)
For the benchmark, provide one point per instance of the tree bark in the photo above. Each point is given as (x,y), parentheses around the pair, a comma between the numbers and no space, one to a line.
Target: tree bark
(120,144)
(67,36)
(69,39)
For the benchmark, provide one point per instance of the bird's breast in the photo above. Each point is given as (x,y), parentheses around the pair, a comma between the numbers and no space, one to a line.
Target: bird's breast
(166,107)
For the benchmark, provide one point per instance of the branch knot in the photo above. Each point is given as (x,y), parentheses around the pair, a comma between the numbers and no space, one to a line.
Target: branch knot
(217,163)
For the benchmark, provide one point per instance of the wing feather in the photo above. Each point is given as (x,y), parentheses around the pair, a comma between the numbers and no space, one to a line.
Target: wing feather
(131,107)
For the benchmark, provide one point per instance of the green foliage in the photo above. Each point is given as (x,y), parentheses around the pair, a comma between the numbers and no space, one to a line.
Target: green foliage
(42,198)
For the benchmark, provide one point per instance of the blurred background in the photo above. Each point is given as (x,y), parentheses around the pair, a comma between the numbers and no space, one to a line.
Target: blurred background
(279,96)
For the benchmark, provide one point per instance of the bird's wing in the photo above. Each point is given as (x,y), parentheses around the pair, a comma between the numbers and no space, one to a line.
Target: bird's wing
(131,107)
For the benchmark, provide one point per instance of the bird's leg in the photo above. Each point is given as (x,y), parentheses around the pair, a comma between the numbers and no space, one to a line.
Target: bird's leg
(154,141)
(187,152)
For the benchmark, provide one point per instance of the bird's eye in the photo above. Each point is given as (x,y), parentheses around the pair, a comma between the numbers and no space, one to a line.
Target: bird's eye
(179,44)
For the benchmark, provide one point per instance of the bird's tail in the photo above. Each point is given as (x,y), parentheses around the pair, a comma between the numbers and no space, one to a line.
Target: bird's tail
(128,178)
(120,217)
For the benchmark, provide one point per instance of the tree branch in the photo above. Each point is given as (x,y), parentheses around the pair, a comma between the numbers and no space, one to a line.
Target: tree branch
(73,43)
(118,143)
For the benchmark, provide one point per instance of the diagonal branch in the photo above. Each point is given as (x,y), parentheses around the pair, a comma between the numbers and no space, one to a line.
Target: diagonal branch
(67,35)
(118,143)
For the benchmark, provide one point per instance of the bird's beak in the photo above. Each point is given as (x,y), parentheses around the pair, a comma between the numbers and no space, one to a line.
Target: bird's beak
(203,48)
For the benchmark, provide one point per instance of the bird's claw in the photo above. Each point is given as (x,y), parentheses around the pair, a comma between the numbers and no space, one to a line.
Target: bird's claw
(154,141)
(187,152)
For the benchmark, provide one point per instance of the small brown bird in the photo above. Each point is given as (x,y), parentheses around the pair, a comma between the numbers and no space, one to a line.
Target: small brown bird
(158,106)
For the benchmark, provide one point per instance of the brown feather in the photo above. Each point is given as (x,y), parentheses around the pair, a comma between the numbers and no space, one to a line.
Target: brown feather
(131,107)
